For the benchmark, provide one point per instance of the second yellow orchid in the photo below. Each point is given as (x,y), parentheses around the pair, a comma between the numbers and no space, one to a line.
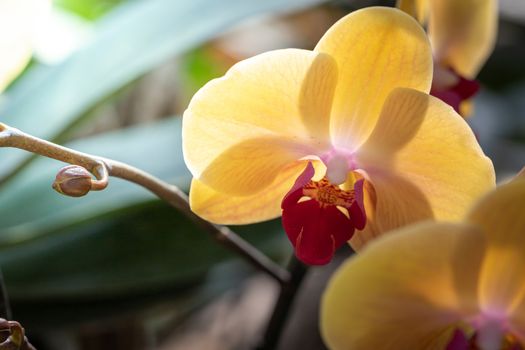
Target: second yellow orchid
(462,34)
(436,285)
(17,18)
(340,138)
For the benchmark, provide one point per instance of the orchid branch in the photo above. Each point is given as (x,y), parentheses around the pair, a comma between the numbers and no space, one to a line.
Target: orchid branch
(76,180)
(283,305)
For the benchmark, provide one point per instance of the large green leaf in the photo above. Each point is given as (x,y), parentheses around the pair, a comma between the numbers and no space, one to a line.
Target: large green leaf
(128,42)
(125,265)
(39,315)
(142,251)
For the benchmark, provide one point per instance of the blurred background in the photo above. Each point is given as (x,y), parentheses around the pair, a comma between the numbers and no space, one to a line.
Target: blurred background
(119,269)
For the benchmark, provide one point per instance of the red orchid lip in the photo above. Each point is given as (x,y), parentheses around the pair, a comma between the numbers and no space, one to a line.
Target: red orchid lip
(454,95)
(318,226)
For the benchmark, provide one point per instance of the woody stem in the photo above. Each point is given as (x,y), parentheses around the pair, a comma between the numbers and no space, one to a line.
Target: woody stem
(102,168)
(282,307)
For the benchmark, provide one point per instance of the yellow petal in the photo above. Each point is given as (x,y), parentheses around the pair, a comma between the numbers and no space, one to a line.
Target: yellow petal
(227,209)
(405,290)
(391,202)
(501,214)
(415,8)
(377,49)
(423,141)
(463,33)
(17,18)
(249,167)
(284,95)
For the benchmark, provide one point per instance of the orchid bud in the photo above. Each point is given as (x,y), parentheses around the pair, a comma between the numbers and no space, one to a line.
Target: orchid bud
(73,181)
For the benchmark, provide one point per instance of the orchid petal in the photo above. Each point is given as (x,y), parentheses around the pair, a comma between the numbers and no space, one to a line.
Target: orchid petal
(296,192)
(17,20)
(501,214)
(316,232)
(317,228)
(463,33)
(405,290)
(282,94)
(390,202)
(422,142)
(252,165)
(459,341)
(226,209)
(376,49)
(415,8)
(357,210)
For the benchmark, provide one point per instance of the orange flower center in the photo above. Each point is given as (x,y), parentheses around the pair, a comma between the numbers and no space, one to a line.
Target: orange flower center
(319,217)
(327,194)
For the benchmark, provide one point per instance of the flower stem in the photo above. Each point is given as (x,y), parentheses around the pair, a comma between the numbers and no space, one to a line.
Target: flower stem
(103,168)
(282,307)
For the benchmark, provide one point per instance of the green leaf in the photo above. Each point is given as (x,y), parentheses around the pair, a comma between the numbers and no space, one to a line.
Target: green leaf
(181,301)
(125,265)
(89,10)
(145,250)
(130,41)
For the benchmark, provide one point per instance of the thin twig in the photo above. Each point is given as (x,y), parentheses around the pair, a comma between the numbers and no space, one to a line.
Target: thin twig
(102,168)
(282,307)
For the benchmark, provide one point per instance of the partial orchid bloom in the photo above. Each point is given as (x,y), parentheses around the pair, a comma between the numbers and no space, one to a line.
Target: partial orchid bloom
(449,286)
(462,34)
(340,138)
(17,19)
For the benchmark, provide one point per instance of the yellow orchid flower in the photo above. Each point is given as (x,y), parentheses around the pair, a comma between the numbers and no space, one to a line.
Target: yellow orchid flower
(462,34)
(17,18)
(341,137)
(436,285)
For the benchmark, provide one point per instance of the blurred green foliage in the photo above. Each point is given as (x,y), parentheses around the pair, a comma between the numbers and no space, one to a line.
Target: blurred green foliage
(197,68)
(120,243)
(90,10)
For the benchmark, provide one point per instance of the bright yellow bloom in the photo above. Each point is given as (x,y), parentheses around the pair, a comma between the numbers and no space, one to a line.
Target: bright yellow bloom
(437,285)
(17,18)
(462,34)
(356,109)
